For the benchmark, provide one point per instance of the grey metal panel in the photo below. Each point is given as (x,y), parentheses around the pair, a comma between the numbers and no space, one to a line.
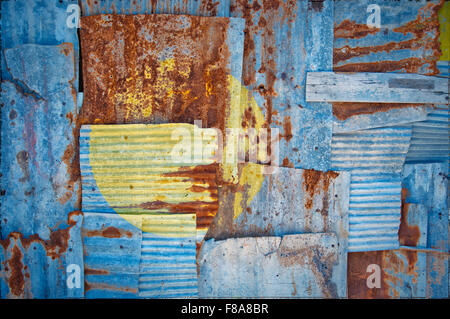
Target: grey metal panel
(268,267)
(375,87)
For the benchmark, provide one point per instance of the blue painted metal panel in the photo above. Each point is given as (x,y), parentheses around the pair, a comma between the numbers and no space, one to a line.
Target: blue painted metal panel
(375,158)
(427,185)
(37,22)
(282,43)
(219,8)
(40,187)
(112,254)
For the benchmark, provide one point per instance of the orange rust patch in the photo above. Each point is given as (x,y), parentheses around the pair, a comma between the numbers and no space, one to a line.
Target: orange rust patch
(409,235)
(89,271)
(108,232)
(287,163)
(129,79)
(287,126)
(345,110)
(16,280)
(351,30)
(89,286)
(316,182)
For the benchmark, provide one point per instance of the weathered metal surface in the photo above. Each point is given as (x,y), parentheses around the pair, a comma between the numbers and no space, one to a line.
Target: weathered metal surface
(168,257)
(161,68)
(43,266)
(220,8)
(141,169)
(142,256)
(408,40)
(39,180)
(420,269)
(366,87)
(36,22)
(375,158)
(286,201)
(283,40)
(289,266)
(430,138)
(112,255)
(427,185)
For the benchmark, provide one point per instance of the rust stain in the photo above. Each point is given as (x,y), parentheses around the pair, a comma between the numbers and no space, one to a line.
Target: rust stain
(343,111)
(350,30)
(108,232)
(287,163)
(90,286)
(16,280)
(89,271)
(409,235)
(287,126)
(154,69)
(316,182)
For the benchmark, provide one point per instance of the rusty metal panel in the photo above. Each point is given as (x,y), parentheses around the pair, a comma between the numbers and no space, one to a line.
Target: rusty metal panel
(281,201)
(220,8)
(408,40)
(112,254)
(39,177)
(37,22)
(283,40)
(269,267)
(180,69)
(375,158)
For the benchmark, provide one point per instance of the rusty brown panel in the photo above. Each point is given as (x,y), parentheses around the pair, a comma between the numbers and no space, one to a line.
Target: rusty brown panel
(155,69)
(425,32)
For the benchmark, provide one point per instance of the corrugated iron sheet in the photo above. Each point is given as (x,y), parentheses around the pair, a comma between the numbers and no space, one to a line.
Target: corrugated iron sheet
(37,22)
(133,169)
(283,201)
(283,40)
(168,261)
(39,177)
(375,158)
(220,8)
(112,255)
(269,267)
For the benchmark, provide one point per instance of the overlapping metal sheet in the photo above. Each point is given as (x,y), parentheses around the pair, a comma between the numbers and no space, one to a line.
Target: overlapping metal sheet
(375,158)
(37,22)
(271,267)
(283,40)
(220,8)
(40,228)
(420,268)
